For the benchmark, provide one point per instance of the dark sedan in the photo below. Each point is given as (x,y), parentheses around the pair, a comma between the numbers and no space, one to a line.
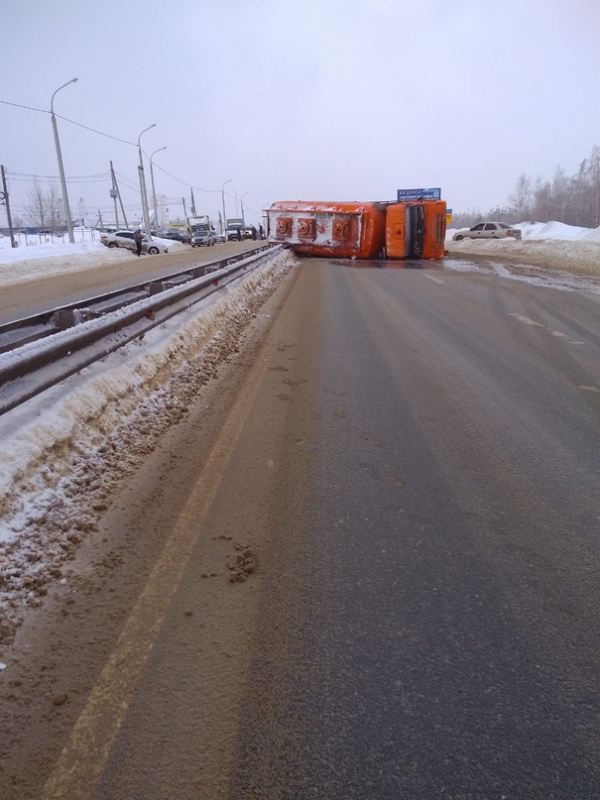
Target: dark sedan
(175,235)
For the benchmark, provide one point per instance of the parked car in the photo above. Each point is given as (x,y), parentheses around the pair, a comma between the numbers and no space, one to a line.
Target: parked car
(220,238)
(489,230)
(200,238)
(250,232)
(125,239)
(175,235)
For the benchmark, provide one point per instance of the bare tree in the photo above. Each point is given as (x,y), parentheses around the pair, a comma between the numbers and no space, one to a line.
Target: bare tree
(45,208)
(18,222)
(573,200)
(594,184)
(520,200)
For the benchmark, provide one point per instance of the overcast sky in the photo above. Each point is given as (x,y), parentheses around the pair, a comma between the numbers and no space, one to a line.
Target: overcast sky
(301,99)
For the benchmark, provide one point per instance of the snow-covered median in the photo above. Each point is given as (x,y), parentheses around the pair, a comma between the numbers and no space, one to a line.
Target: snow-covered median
(551,244)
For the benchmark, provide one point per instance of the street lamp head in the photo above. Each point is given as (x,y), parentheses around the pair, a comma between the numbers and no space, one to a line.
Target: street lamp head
(144,131)
(73,80)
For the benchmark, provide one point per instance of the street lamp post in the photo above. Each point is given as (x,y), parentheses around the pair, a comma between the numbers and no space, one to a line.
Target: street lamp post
(152,182)
(61,169)
(242,207)
(143,191)
(223,202)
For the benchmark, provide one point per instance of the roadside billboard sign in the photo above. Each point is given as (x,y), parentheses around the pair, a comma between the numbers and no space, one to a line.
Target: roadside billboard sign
(406,195)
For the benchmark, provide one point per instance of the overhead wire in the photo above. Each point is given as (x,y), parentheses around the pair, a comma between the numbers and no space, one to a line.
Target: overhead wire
(72,121)
(105,176)
(24,176)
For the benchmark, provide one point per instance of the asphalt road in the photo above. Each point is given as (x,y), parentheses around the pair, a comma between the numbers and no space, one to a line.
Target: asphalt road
(410,461)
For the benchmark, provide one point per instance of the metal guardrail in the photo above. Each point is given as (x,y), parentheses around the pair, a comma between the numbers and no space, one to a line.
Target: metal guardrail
(91,329)
(18,332)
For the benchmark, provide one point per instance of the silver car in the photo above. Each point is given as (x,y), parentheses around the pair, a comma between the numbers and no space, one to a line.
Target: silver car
(203,237)
(125,239)
(489,230)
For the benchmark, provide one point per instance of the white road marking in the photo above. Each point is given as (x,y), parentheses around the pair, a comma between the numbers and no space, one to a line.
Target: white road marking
(590,389)
(436,280)
(526,320)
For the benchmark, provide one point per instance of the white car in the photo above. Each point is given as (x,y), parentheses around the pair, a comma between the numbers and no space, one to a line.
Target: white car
(488,230)
(125,239)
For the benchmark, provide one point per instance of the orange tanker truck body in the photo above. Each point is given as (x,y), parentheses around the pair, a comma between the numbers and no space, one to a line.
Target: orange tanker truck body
(415,229)
(344,230)
(407,230)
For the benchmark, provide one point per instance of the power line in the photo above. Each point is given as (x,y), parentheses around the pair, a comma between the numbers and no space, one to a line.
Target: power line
(93,130)
(185,183)
(24,176)
(29,108)
(72,121)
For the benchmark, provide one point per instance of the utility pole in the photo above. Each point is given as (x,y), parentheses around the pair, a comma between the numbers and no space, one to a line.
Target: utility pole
(143,190)
(184,208)
(61,169)
(13,242)
(114,194)
(100,218)
(156,225)
(242,206)
(116,185)
(223,200)
(193,203)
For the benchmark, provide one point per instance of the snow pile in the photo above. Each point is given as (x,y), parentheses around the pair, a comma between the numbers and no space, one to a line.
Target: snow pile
(592,235)
(552,244)
(20,264)
(64,454)
(551,230)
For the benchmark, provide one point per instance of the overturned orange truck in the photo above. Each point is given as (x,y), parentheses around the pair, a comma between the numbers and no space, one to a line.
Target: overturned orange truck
(406,230)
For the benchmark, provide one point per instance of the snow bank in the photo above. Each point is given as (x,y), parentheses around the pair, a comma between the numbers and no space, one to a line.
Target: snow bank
(64,454)
(552,244)
(22,264)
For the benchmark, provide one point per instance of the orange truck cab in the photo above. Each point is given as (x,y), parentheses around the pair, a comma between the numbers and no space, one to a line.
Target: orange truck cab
(415,229)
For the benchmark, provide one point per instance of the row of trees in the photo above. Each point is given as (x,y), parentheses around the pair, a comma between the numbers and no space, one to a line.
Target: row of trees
(45,208)
(574,200)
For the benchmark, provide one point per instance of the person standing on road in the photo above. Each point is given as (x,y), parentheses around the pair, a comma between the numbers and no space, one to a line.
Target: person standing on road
(254,233)
(261,232)
(138,238)
(239,234)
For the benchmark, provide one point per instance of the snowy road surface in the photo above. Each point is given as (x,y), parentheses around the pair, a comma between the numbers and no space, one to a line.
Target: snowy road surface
(361,562)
